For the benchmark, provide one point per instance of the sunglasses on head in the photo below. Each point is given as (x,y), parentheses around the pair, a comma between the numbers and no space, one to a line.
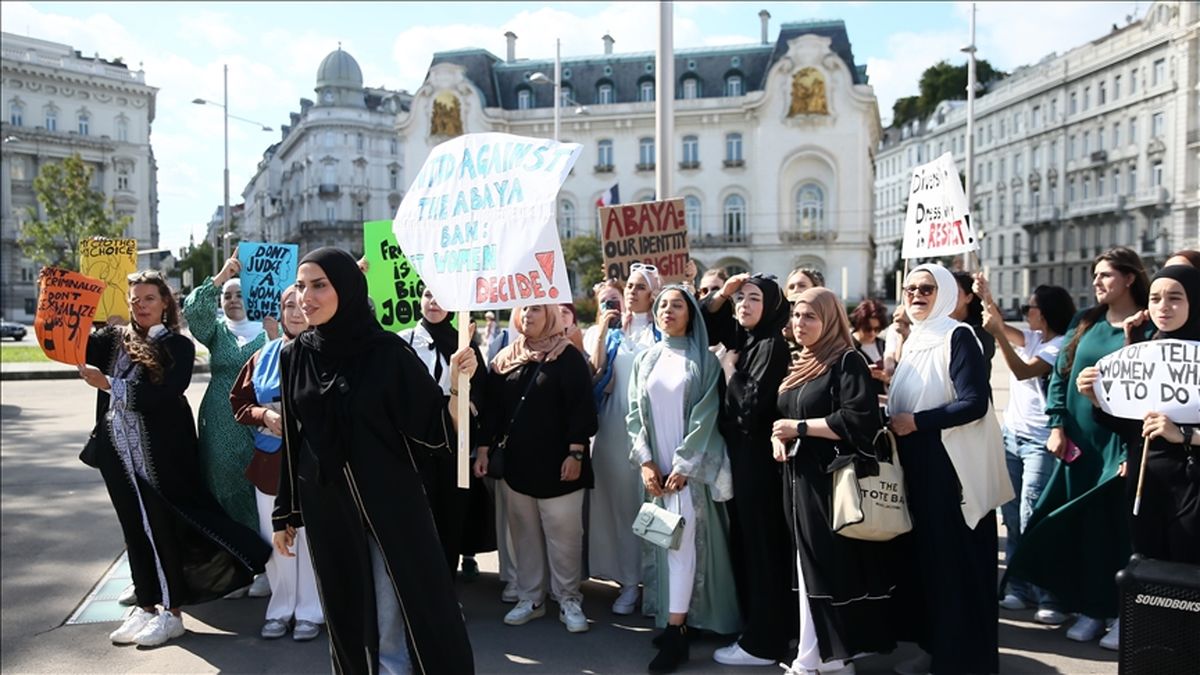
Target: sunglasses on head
(642,266)
(924,290)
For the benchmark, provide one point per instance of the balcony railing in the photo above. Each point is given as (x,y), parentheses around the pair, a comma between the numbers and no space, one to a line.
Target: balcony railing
(645,166)
(329,190)
(710,240)
(690,164)
(734,163)
(603,168)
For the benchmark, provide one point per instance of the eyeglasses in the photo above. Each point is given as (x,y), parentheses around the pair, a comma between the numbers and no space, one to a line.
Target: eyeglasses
(1025,308)
(924,290)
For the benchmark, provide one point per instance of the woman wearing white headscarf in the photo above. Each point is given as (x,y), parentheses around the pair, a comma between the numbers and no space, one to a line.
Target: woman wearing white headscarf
(946,591)
(226,447)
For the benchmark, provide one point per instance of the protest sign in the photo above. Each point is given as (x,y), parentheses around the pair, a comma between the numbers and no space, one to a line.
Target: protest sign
(1157,376)
(66,304)
(111,261)
(478,222)
(392,282)
(646,232)
(267,269)
(938,221)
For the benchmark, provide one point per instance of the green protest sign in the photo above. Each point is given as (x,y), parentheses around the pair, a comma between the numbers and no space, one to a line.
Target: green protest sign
(392,282)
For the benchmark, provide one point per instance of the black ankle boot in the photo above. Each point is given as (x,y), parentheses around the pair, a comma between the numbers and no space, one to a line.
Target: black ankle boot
(673,650)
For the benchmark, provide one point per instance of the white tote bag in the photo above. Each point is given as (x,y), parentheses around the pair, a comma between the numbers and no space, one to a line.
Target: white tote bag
(976,450)
(872,508)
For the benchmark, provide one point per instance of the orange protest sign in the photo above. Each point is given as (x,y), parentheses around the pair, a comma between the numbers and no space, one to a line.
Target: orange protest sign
(66,304)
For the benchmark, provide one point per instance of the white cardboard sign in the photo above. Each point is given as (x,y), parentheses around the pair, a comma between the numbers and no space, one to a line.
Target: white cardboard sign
(478,221)
(1157,376)
(938,221)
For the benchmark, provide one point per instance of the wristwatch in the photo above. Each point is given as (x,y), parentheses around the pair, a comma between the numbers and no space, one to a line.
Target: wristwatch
(576,455)
(801,427)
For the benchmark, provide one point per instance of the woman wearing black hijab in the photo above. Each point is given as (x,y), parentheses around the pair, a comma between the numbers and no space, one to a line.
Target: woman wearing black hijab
(754,368)
(359,408)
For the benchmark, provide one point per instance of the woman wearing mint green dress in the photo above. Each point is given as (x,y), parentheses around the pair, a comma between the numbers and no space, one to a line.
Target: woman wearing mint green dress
(226,447)
(1078,536)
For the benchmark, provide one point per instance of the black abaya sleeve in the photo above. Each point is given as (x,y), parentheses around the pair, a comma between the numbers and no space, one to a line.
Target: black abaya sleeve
(720,323)
(416,404)
(179,354)
(972,391)
(577,398)
(287,504)
(753,390)
(856,418)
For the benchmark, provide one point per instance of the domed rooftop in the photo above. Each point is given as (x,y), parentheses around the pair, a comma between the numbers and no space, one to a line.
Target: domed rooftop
(339,69)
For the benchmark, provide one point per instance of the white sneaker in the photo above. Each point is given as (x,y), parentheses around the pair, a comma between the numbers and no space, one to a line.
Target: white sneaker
(509,594)
(165,626)
(260,587)
(274,629)
(1112,641)
(626,602)
(571,613)
(128,597)
(918,665)
(734,655)
(524,612)
(1085,629)
(1012,602)
(1050,617)
(132,626)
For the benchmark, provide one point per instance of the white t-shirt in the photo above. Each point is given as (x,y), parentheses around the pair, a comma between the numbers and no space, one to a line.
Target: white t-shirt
(1026,412)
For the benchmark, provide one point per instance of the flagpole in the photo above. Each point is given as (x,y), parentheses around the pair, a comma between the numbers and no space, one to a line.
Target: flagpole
(970,187)
(664,101)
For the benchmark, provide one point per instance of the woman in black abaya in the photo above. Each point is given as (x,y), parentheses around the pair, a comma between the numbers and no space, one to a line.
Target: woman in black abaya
(359,407)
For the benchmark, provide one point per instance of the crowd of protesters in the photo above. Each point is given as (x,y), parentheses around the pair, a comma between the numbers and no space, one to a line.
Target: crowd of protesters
(324,461)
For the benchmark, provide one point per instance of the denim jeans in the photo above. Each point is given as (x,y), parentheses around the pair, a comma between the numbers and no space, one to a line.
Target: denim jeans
(1029,466)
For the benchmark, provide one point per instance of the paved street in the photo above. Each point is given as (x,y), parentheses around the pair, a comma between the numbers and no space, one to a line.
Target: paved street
(60,536)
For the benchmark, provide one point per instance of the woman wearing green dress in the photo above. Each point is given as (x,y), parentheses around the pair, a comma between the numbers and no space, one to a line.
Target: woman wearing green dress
(226,447)
(1078,536)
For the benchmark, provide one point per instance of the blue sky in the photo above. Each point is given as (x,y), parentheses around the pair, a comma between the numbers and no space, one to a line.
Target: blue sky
(273,50)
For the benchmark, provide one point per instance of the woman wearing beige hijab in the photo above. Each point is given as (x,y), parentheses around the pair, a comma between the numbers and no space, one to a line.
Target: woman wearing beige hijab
(539,409)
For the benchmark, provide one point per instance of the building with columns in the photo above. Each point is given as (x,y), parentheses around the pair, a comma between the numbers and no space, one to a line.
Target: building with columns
(338,163)
(57,102)
(774,141)
(1083,151)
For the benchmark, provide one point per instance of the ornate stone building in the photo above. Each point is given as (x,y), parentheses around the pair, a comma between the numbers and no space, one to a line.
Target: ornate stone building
(337,164)
(1083,151)
(774,141)
(58,102)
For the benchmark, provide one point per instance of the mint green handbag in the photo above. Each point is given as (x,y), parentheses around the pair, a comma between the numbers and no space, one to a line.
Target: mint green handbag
(657,525)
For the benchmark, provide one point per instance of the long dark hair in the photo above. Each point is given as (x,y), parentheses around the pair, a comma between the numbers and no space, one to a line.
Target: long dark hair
(1125,261)
(136,341)
(1056,306)
(975,307)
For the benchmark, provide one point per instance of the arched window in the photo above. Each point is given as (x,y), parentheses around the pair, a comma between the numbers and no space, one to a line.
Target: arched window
(524,98)
(691,151)
(810,208)
(735,218)
(691,214)
(604,153)
(605,93)
(734,269)
(566,218)
(16,113)
(646,90)
(691,87)
(733,85)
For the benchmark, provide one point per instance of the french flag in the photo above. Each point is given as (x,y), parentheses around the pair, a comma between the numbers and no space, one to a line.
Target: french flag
(609,197)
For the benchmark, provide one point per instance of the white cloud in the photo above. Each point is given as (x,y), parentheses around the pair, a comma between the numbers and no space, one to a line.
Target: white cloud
(215,30)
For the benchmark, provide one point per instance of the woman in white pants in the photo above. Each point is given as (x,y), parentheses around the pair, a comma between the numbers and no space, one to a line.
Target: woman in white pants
(673,406)
(255,401)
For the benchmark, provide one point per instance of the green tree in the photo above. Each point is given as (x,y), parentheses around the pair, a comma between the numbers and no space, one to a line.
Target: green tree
(941,82)
(198,259)
(74,212)
(585,260)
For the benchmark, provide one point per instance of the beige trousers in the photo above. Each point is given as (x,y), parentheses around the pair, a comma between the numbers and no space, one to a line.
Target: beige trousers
(546,532)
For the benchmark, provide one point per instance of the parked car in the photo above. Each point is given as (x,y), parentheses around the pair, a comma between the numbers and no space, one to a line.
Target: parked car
(8,329)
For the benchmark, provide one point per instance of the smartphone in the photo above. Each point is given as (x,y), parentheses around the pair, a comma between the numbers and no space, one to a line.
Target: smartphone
(1073,452)
(612,303)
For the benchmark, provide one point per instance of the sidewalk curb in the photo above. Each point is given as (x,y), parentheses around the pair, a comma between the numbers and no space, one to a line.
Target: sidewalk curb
(62,373)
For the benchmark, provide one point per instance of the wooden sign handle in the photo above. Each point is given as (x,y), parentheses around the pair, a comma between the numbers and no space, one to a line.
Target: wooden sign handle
(1137,499)
(464,407)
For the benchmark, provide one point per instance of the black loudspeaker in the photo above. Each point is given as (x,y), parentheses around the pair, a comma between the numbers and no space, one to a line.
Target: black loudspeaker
(1160,617)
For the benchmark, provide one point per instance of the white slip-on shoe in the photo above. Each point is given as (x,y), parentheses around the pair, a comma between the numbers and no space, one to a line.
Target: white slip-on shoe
(260,587)
(626,602)
(734,655)
(128,597)
(570,612)
(274,629)
(1085,629)
(131,627)
(305,630)
(1112,641)
(166,626)
(524,612)
(1050,617)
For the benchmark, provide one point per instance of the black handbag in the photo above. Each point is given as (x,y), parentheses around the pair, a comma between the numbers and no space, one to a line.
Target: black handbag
(495,467)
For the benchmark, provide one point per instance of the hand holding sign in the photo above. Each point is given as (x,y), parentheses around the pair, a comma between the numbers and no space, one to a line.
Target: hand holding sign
(266,270)
(1161,376)
(66,304)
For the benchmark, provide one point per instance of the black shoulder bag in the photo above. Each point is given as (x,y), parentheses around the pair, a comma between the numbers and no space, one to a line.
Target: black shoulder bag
(495,467)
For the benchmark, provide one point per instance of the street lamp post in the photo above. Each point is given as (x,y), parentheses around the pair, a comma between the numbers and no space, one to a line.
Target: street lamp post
(225,215)
(540,78)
